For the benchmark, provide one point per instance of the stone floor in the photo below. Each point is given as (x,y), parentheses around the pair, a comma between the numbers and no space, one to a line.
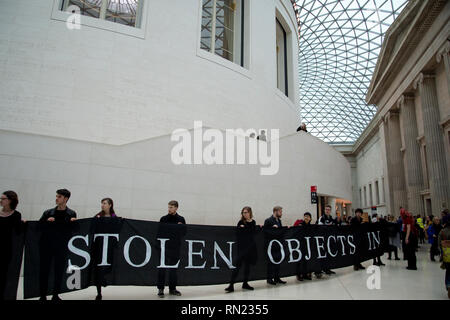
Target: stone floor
(396,283)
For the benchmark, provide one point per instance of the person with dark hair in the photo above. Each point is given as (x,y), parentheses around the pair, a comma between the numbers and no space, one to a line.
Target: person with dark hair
(305,222)
(410,236)
(10,222)
(246,247)
(262,136)
(107,211)
(271,223)
(327,220)
(61,213)
(53,244)
(444,244)
(302,128)
(172,247)
(433,233)
(356,221)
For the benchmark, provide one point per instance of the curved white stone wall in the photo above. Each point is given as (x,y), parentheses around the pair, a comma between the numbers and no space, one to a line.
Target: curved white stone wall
(107,86)
(141,179)
(92,110)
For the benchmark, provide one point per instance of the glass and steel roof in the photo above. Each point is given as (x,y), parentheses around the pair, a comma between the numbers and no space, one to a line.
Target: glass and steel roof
(339,45)
(118,6)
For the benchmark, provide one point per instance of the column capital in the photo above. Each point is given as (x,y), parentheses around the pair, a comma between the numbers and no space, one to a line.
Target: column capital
(391,113)
(401,101)
(444,51)
(403,98)
(419,79)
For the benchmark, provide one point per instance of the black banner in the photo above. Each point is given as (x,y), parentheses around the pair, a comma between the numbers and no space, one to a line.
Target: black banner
(114,251)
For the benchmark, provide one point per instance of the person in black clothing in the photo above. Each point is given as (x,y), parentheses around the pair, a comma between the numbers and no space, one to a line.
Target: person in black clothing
(356,221)
(274,221)
(104,226)
(247,252)
(394,230)
(53,242)
(10,223)
(174,233)
(301,275)
(327,220)
(302,128)
(375,219)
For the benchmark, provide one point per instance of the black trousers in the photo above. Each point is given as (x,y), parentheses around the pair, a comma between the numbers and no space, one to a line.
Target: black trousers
(3,278)
(173,279)
(273,270)
(410,253)
(434,251)
(377,260)
(47,258)
(394,249)
(240,264)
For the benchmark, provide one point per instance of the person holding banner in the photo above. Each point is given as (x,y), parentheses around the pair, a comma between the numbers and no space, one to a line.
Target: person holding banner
(357,220)
(376,219)
(53,243)
(306,223)
(107,211)
(274,222)
(173,247)
(327,220)
(247,251)
(10,221)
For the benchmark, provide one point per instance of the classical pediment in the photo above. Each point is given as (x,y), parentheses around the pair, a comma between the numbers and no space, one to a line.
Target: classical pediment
(401,39)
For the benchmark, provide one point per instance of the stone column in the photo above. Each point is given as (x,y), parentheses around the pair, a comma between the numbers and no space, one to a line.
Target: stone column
(348,209)
(444,54)
(395,163)
(413,168)
(332,203)
(437,167)
(385,184)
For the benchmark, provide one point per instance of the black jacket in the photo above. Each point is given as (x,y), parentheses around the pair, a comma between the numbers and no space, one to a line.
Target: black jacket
(69,214)
(327,220)
(271,221)
(174,219)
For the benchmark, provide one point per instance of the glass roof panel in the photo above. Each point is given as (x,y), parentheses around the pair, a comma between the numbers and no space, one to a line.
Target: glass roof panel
(339,45)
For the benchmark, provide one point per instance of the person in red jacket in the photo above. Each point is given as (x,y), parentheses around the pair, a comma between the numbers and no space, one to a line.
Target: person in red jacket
(409,238)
